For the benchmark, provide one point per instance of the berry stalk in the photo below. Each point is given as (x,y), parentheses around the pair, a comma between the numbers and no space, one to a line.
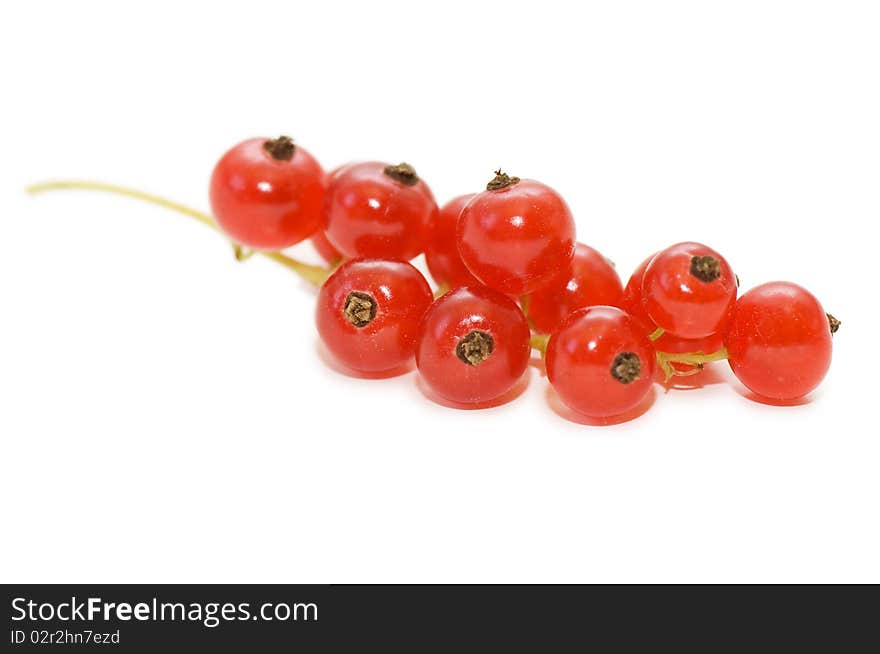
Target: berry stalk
(316,275)
(695,359)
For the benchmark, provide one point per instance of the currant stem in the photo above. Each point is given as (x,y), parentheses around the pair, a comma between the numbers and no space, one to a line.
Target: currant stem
(121,190)
(242,253)
(695,359)
(442,290)
(657,333)
(539,342)
(316,275)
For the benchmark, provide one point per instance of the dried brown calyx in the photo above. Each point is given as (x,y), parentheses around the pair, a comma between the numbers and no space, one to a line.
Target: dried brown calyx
(360,308)
(475,348)
(706,268)
(281,149)
(500,181)
(833,323)
(403,173)
(626,367)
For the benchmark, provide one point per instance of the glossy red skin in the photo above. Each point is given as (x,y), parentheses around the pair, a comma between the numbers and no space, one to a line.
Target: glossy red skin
(263,203)
(517,239)
(591,280)
(681,303)
(388,342)
(369,214)
(633,303)
(454,316)
(580,355)
(319,239)
(325,248)
(441,254)
(779,341)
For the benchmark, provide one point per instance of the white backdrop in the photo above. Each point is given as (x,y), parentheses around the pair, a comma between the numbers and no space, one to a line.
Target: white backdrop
(166,413)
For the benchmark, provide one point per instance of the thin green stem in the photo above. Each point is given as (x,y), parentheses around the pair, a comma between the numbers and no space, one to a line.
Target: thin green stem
(442,290)
(694,359)
(539,342)
(316,275)
(121,190)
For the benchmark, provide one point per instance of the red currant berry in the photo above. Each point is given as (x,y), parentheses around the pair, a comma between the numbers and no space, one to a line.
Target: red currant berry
(517,235)
(779,341)
(441,254)
(378,210)
(320,242)
(267,194)
(368,313)
(689,290)
(633,303)
(600,362)
(325,248)
(473,345)
(591,280)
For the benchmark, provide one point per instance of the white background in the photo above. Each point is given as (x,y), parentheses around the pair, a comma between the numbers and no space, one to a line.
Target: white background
(166,413)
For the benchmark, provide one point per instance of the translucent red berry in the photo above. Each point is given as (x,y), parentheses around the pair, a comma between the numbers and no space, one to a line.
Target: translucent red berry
(473,345)
(517,235)
(689,290)
(325,248)
(590,280)
(633,303)
(441,255)
(600,362)
(368,313)
(267,194)
(779,341)
(378,210)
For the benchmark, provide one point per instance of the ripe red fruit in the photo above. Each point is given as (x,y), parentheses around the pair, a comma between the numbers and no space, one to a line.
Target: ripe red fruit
(600,362)
(320,242)
(368,313)
(517,235)
(633,303)
(325,248)
(779,341)
(591,280)
(377,210)
(689,290)
(267,194)
(441,254)
(473,345)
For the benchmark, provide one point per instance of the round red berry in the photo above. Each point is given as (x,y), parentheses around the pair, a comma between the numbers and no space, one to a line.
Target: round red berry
(267,194)
(633,303)
(517,235)
(591,280)
(473,345)
(689,290)
(325,248)
(600,362)
(378,210)
(779,341)
(368,313)
(441,255)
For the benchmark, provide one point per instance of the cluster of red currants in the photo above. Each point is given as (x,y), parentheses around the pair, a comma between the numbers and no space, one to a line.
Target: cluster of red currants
(512,279)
